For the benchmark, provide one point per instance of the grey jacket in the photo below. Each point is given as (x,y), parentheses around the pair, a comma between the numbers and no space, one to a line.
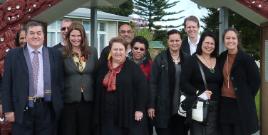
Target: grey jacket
(74,80)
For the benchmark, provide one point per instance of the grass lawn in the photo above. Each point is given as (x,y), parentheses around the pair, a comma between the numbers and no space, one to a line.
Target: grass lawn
(257,101)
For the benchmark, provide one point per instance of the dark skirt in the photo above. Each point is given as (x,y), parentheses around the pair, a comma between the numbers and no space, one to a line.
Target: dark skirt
(109,126)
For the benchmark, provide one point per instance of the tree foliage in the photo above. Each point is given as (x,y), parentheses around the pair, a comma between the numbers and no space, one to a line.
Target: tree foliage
(124,9)
(155,11)
(249,32)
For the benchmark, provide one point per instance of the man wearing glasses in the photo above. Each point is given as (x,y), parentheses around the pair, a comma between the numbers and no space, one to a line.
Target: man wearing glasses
(65,24)
(126,32)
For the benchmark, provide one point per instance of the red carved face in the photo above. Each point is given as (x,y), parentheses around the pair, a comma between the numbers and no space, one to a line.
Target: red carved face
(13,10)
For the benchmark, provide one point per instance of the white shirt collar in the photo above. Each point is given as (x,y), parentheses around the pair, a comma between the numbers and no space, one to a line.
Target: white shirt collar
(193,46)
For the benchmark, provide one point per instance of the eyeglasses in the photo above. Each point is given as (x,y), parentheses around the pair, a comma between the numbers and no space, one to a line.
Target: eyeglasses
(64,28)
(137,48)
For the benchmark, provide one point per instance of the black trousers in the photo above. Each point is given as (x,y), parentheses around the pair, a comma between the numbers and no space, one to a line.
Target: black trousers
(76,119)
(39,120)
(176,126)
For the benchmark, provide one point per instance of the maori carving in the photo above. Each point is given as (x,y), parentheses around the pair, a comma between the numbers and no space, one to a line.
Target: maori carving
(13,11)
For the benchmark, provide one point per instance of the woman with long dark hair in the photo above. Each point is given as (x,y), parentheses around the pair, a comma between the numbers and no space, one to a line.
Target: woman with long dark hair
(79,66)
(194,87)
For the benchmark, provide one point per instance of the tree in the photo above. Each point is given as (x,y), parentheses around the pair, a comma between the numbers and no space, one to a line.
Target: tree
(155,11)
(249,32)
(124,9)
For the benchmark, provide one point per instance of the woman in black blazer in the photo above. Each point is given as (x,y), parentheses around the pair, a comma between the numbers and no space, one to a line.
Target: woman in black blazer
(121,93)
(193,85)
(79,67)
(240,85)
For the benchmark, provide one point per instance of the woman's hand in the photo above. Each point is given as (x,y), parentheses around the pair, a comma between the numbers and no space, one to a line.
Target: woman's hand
(138,115)
(206,95)
(151,113)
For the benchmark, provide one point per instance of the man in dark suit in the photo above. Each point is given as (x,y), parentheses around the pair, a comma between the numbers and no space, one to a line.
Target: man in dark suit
(191,27)
(65,24)
(32,85)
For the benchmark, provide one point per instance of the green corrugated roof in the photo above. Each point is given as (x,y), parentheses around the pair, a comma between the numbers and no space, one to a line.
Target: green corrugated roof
(156,44)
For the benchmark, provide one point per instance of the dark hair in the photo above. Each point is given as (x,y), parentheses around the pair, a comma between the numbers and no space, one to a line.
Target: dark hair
(202,38)
(140,39)
(17,38)
(237,34)
(118,40)
(32,24)
(191,18)
(84,47)
(173,31)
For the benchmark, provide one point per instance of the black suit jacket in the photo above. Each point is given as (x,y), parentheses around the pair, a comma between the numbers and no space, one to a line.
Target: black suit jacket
(185,47)
(58,46)
(16,82)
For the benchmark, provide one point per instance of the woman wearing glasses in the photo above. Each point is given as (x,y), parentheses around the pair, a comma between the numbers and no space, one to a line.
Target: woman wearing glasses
(141,56)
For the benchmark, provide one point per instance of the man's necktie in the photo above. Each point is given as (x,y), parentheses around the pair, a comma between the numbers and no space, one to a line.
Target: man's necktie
(35,66)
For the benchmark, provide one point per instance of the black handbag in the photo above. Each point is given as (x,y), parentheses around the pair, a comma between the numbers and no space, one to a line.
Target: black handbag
(200,108)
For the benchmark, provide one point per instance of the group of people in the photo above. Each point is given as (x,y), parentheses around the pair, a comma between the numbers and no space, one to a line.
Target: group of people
(67,90)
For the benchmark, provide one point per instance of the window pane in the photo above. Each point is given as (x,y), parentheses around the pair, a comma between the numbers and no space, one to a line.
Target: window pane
(102,41)
(58,37)
(86,25)
(51,39)
(101,26)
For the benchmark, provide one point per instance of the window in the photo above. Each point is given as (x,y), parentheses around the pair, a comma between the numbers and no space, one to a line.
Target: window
(53,33)
(101,26)
(86,25)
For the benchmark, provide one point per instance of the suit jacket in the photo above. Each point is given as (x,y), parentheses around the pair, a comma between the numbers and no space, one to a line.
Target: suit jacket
(16,82)
(75,80)
(185,47)
(245,78)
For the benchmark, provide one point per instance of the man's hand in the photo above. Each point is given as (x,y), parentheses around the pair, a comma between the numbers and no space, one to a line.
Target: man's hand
(9,116)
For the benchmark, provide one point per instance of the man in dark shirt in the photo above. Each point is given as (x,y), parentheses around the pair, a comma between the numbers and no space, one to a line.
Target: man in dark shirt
(65,24)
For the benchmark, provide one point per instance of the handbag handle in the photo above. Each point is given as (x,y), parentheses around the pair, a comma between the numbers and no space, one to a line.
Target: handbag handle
(202,74)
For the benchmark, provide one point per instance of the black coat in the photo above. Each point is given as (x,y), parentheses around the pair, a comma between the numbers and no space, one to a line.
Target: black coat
(16,82)
(161,95)
(245,78)
(131,88)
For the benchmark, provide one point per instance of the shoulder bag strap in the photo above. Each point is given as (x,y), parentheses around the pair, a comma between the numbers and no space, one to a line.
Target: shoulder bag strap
(202,74)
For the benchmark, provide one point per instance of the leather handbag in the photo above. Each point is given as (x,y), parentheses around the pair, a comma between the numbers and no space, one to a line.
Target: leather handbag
(201,107)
